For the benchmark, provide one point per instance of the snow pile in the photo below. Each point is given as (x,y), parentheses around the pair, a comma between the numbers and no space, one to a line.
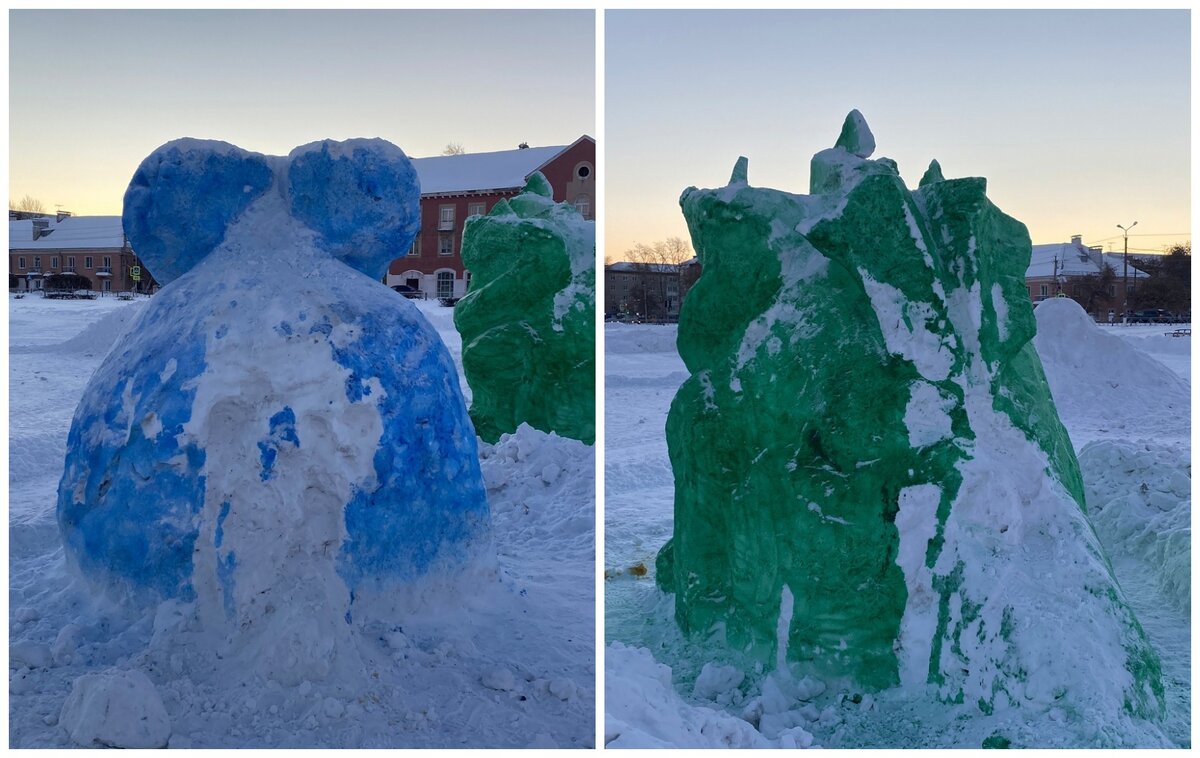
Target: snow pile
(1102,384)
(642,709)
(528,474)
(115,709)
(1139,499)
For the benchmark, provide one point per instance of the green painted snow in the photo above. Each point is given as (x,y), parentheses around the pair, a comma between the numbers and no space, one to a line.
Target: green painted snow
(789,442)
(528,319)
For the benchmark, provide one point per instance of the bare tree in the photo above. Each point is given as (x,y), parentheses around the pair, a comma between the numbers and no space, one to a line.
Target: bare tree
(29,204)
(454,148)
(672,251)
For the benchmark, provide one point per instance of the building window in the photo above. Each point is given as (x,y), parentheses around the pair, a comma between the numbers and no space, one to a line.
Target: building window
(445,218)
(37,263)
(107,285)
(87,261)
(445,244)
(583,204)
(54,262)
(415,250)
(477,209)
(445,284)
(1042,290)
(583,170)
(71,262)
(107,262)
(21,262)
(1129,288)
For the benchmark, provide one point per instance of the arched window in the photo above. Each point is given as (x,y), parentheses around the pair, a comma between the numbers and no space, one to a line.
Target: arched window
(583,204)
(445,284)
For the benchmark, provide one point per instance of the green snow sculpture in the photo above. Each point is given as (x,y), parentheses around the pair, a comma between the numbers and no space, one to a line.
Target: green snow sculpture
(528,322)
(871,478)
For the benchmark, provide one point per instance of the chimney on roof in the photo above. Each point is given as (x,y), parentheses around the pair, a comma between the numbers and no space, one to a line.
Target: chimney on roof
(523,146)
(61,215)
(1077,240)
(39,228)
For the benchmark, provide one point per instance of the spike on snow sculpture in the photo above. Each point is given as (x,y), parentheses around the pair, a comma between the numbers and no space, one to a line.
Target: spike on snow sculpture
(868,428)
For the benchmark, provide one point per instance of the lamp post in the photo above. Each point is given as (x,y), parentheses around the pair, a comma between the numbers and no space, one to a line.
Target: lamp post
(1125,277)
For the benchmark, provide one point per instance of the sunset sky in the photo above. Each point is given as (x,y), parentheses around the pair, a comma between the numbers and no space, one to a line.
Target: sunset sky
(1080,120)
(93,92)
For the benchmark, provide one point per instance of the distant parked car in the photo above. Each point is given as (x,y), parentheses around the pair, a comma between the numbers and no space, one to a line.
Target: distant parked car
(411,293)
(1151,316)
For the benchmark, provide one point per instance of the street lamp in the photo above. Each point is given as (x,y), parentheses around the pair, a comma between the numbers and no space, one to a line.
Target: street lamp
(1125,283)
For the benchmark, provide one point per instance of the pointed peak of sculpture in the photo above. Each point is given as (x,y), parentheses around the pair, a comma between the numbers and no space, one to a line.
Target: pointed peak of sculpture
(539,185)
(501,208)
(739,171)
(856,137)
(932,174)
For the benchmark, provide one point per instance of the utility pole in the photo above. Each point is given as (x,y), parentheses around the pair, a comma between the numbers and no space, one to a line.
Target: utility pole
(1125,277)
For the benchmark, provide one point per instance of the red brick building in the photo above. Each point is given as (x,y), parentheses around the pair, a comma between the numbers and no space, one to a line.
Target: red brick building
(93,247)
(454,187)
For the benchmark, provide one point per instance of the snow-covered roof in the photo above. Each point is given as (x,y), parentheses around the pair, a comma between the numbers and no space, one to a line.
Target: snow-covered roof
(1072,259)
(504,169)
(72,233)
(662,268)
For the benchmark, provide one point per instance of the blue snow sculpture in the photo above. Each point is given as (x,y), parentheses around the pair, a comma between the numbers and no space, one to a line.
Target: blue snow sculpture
(276,427)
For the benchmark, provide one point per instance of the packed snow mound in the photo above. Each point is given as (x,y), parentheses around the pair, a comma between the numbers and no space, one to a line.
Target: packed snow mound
(864,391)
(115,708)
(528,473)
(626,339)
(1139,497)
(277,438)
(642,709)
(1090,370)
(528,322)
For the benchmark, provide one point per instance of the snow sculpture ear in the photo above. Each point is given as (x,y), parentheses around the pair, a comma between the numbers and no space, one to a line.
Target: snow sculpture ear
(362,197)
(183,198)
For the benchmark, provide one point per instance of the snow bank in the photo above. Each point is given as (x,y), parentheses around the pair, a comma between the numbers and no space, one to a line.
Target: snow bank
(624,339)
(1102,383)
(1139,498)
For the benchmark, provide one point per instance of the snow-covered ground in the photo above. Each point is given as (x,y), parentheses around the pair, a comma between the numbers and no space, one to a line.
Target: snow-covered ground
(1124,395)
(511,668)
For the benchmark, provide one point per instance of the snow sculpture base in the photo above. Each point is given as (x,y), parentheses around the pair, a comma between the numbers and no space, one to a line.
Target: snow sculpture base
(277,436)
(871,478)
(528,324)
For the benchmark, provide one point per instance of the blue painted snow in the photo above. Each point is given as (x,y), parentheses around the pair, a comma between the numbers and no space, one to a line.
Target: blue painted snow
(362,198)
(130,509)
(429,504)
(182,199)
(128,506)
(219,534)
(226,568)
(282,428)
